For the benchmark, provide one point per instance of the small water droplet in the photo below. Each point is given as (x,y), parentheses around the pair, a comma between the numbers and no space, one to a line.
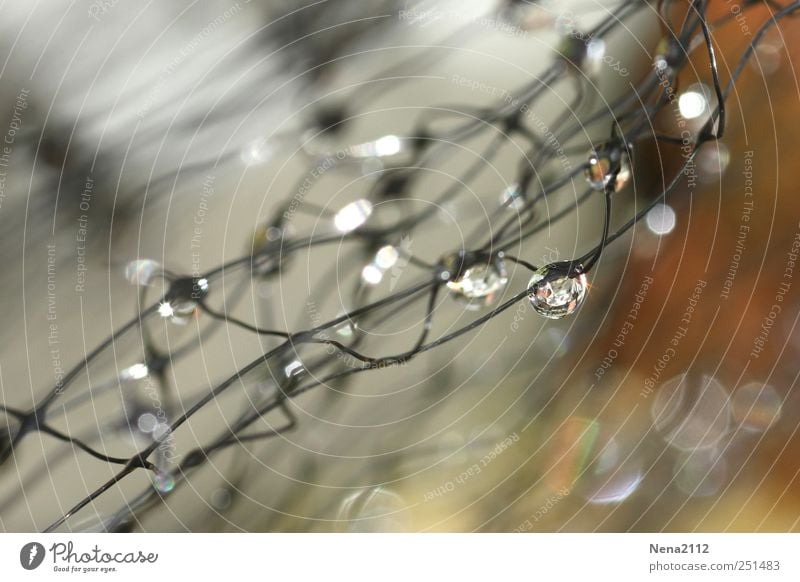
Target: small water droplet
(371,274)
(182,299)
(603,161)
(695,102)
(513,197)
(221,499)
(475,279)
(352,215)
(386,257)
(557,290)
(162,475)
(661,219)
(143,271)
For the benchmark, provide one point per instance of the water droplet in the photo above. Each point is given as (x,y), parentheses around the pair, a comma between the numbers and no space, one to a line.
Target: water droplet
(147,422)
(183,297)
(373,510)
(353,215)
(388,145)
(257,152)
(163,482)
(164,462)
(603,161)
(221,499)
(513,197)
(135,372)
(668,56)
(695,101)
(557,290)
(386,257)
(661,219)
(582,51)
(142,272)
(293,368)
(700,473)
(371,274)
(475,279)
(756,406)
(691,412)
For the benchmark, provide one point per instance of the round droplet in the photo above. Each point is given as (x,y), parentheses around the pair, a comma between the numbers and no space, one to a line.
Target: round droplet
(257,152)
(221,499)
(692,412)
(513,197)
(142,272)
(135,372)
(386,257)
(668,56)
(163,482)
(700,473)
(147,422)
(164,463)
(583,51)
(756,406)
(373,510)
(661,219)
(603,162)
(695,102)
(183,298)
(353,215)
(474,279)
(371,274)
(557,290)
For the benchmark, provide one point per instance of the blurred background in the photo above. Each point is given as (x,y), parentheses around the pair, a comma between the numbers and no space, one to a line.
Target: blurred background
(143,138)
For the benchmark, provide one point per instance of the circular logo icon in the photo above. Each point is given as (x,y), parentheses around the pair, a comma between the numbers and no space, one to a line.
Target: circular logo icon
(31,555)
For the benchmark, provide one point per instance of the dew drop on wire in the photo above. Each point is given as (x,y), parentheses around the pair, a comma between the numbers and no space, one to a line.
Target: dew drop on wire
(556,292)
